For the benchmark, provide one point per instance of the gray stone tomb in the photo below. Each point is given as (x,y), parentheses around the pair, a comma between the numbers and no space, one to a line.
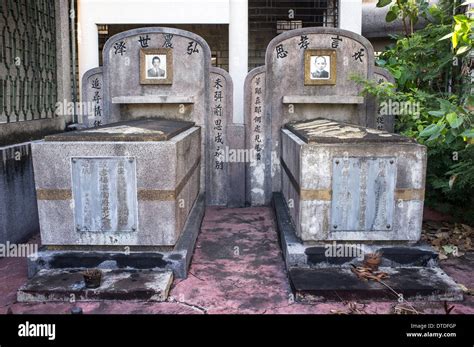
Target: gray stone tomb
(335,176)
(129,191)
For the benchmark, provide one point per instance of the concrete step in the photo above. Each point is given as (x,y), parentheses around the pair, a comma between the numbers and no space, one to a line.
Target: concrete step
(340,283)
(67,284)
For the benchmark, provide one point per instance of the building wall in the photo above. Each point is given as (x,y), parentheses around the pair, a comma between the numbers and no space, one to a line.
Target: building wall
(34,68)
(18,209)
(34,75)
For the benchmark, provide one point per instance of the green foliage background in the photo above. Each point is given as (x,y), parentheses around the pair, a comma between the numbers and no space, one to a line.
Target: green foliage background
(429,66)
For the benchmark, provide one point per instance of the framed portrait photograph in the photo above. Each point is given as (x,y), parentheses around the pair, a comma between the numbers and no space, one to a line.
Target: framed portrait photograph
(156,66)
(320,67)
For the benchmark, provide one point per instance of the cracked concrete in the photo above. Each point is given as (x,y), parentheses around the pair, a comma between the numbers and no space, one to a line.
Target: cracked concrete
(237,268)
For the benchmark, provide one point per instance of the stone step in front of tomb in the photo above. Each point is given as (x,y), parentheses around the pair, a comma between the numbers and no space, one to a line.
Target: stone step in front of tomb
(65,284)
(414,283)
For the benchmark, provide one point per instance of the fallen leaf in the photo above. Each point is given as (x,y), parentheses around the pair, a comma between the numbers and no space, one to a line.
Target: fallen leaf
(442,256)
(401,309)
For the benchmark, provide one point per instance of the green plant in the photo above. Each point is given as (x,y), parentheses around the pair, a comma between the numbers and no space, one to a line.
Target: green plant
(407,10)
(462,35)
(423,64)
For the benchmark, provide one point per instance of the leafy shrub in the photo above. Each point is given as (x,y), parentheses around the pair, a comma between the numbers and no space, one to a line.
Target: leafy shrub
(430,71)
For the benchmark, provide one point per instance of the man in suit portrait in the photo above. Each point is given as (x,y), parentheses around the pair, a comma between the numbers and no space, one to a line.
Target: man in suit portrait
(319,68)
(156,71)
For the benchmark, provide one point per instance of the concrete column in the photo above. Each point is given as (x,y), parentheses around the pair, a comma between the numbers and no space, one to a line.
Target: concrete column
(63,54)
(350,15)
(238,53)
(87,39)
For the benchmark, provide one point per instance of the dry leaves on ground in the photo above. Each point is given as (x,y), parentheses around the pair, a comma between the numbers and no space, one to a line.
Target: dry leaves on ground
(448,239)
(367,273)
(352,308)
(404,309)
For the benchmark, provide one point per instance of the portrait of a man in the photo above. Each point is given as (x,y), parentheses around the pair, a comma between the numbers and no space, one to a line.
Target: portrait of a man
(155,71)
(319,67)
(156,66)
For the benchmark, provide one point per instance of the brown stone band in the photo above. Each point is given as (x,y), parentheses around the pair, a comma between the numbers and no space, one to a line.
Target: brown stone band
(409,194)
(168,195)
(143,194)
(53,194)
(326,194)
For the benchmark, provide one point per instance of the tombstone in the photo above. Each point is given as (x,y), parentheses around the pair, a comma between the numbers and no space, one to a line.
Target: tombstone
(384,119)
(127,194)
(257,176)
(93,94)
(335,181)
(226,146)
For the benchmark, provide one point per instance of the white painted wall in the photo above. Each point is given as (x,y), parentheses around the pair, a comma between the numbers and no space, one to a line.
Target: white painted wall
(350,15)
(238,53)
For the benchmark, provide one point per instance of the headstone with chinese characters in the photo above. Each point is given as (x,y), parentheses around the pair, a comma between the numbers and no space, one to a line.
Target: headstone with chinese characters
(188,89)
(92,114)
(293,93)
(384,118)
(226,153)
(258,175)
(334,177)
(136,179)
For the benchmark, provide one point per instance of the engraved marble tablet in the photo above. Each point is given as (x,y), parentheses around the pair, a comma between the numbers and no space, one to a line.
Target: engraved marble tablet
(105,194)
(363,193)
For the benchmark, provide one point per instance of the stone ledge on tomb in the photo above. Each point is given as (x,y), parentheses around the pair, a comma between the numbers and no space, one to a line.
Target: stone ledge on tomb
(314,277)
(123,284)
(176,259)
(153,99)
(323,99)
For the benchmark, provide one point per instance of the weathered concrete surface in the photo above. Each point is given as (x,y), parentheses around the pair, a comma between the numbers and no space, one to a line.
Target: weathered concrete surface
(61,285)
(167,183)
(176,259)
(93,95)
(257,138)
(221,282)
(414,283)
(308,184)
(284,76)
(191,57)
(18,210)
(381,120)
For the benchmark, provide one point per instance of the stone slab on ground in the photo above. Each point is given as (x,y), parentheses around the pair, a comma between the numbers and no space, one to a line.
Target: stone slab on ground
(415,283)
(61,285)
(237,268)
(176,259)
(313,276)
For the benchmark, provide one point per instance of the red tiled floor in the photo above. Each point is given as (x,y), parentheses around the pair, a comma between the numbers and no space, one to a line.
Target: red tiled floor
(237,267)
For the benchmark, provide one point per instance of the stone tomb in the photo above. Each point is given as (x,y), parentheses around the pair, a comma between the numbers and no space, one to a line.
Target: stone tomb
(128,193)
(337,178)
(125,184)
(348,191)
(352,183)
(122,198)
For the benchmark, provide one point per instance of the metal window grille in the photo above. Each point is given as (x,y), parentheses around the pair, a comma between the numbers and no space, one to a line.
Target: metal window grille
(27,60)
